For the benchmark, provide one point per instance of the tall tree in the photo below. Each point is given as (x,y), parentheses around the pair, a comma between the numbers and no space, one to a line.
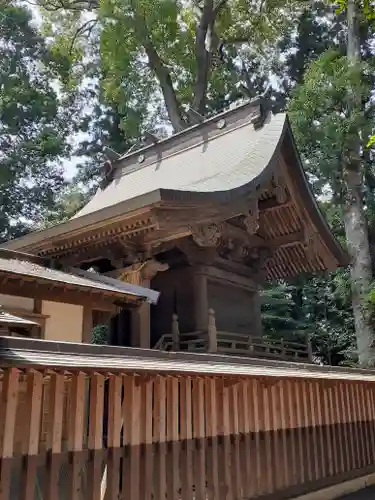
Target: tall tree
(182,54)
(33,132)
(355,221)
(332,117)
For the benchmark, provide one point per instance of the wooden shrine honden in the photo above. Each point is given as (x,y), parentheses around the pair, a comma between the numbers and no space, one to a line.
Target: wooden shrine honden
(204,217)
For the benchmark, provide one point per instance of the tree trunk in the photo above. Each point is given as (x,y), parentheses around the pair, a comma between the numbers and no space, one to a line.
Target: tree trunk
(355,221)
(356,233)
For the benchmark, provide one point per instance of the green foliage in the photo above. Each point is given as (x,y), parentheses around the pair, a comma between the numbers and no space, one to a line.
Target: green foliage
(327,120)
(33,126)
(319,307)
(100,334)
(67,204)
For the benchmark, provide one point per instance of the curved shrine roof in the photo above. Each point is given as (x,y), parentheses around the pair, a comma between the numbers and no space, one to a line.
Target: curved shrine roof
(226,160)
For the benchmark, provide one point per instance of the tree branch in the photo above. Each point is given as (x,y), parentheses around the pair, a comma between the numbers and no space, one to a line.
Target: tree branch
(203,56)
(161,72)
(88,26)
(73,5)
(205,31)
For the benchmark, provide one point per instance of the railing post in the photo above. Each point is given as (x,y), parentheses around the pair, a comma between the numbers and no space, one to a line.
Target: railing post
(175,333)
(251,347)
(309,348)
(282,348)
(212,332)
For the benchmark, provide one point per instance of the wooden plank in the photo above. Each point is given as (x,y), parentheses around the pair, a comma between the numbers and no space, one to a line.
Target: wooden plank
(255,401)
(8,412)
(199,436)
(235,424)
(348,409)
(212,431)
(173,476)
(30,442)
(365,419)
(54,436)
(95,441)
(269,483)
(114,437)
(327,429)
(75,435)
(293,433)
(133,389)
(146,415)
(244,395)
(277,475)
(160,437)
(321,435)
(312,396)
(353,408)
(306,411)
(227,459)
(344,425)
(186,435)
(331,417)
(371,413)
(286,478)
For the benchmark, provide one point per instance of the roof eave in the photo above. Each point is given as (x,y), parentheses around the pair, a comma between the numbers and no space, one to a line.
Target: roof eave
(311,204)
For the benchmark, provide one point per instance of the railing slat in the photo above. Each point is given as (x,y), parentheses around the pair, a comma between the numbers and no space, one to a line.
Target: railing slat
(30,444)
(186,435)
(8,413)
(75,435)
(54,435)
(114,437)
(146,414)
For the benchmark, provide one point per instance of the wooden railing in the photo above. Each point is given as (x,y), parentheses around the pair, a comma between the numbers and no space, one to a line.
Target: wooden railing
(172,426)
(221,342)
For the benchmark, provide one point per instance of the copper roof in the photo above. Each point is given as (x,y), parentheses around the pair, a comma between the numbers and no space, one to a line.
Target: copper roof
(76,277)
(231,158)
(32,352)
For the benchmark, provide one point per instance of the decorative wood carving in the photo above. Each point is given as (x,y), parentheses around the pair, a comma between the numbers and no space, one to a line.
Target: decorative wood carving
(259,258)
(311,243)
(251,219)
(208,235)
(139,272)
(279,189)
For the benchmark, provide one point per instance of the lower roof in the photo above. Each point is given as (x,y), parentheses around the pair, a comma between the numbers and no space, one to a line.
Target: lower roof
(10,319)
(24,353)
(19,265)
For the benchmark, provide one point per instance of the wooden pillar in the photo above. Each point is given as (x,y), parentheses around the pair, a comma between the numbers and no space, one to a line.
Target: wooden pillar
(141,330)
(212,333)
(141,326)
(200,300)
(175,333)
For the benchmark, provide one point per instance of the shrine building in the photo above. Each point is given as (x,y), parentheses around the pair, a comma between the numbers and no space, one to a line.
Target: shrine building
(203,217)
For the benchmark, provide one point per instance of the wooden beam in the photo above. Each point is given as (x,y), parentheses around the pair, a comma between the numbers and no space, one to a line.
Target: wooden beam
(272,204)
(287,239)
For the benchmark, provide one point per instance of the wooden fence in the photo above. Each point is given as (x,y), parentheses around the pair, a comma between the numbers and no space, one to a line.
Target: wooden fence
(87,433)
